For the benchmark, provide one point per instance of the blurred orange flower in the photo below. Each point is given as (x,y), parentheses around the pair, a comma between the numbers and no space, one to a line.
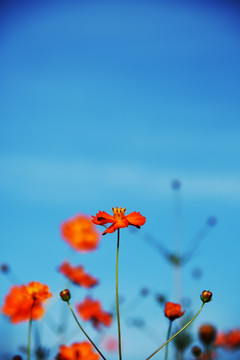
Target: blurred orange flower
(26,299)
(173,311)
(80,233)
(77,351)
(229,340)
(77,275)
(234,339)
(92,310)
(118,220)
(221,339)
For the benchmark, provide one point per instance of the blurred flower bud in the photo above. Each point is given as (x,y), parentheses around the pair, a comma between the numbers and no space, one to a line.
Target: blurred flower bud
(4,268)
(161,299)
(175,259)
(175,184)
(207,334)
(144,291)
(42,353)
(65,295)
(196,351)
(206,296)
(211,221)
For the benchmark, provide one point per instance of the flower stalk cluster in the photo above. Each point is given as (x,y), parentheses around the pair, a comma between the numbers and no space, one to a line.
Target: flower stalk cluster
(25,302)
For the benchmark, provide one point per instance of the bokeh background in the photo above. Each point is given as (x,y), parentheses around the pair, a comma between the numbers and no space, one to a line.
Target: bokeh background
(105,103)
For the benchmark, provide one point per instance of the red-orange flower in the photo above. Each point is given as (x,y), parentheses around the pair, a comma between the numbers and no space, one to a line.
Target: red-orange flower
(173,311)
(77,275)
(229,340)
(26,299)
(92,310)
(234,339)
(80,233)
(77,351)
(118,220)
(221,339)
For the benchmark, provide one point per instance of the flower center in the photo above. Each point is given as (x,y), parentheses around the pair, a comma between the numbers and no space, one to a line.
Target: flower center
(33,291)
(118,213)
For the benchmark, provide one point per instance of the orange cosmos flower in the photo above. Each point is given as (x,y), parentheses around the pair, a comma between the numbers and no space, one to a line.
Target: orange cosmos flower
(118,220)
(234,339)
(228,341)
(80,233)
(77,351)
(221,339)
(77,275)
(26,299)
(173,311)
(92,310)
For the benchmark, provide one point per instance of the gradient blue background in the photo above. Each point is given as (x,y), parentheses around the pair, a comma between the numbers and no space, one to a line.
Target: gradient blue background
(103,104)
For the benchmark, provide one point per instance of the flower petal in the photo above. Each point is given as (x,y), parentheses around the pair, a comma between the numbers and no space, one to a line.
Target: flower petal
(102,218)
(118,224)
(136,219)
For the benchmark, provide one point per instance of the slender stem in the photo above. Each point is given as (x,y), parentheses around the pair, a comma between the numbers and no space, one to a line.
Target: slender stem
(168,336)
(184,327)
(117,301)
(208,353)
(29,331)
(84,331)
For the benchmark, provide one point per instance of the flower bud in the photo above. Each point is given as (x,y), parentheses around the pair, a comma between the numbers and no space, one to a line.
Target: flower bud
(206,296)
(161,298)
(4,268)
(207,334)
(196,351)
(65,295)
(211,221)
(176,184)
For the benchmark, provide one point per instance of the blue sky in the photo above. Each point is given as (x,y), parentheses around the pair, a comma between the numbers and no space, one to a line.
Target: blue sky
(104,104)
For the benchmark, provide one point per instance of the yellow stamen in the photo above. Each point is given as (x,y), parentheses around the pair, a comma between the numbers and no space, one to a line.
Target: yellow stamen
(118,213)
(33,290)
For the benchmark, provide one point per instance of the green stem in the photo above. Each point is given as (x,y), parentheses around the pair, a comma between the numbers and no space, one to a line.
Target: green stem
(29,331)
(84,331)
(184,327)
(168,336)
(117,301)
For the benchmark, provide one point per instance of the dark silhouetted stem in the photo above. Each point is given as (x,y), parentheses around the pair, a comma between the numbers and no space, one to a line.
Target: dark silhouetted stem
(117,301)
(84,331)
(29,332)
(208,352)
